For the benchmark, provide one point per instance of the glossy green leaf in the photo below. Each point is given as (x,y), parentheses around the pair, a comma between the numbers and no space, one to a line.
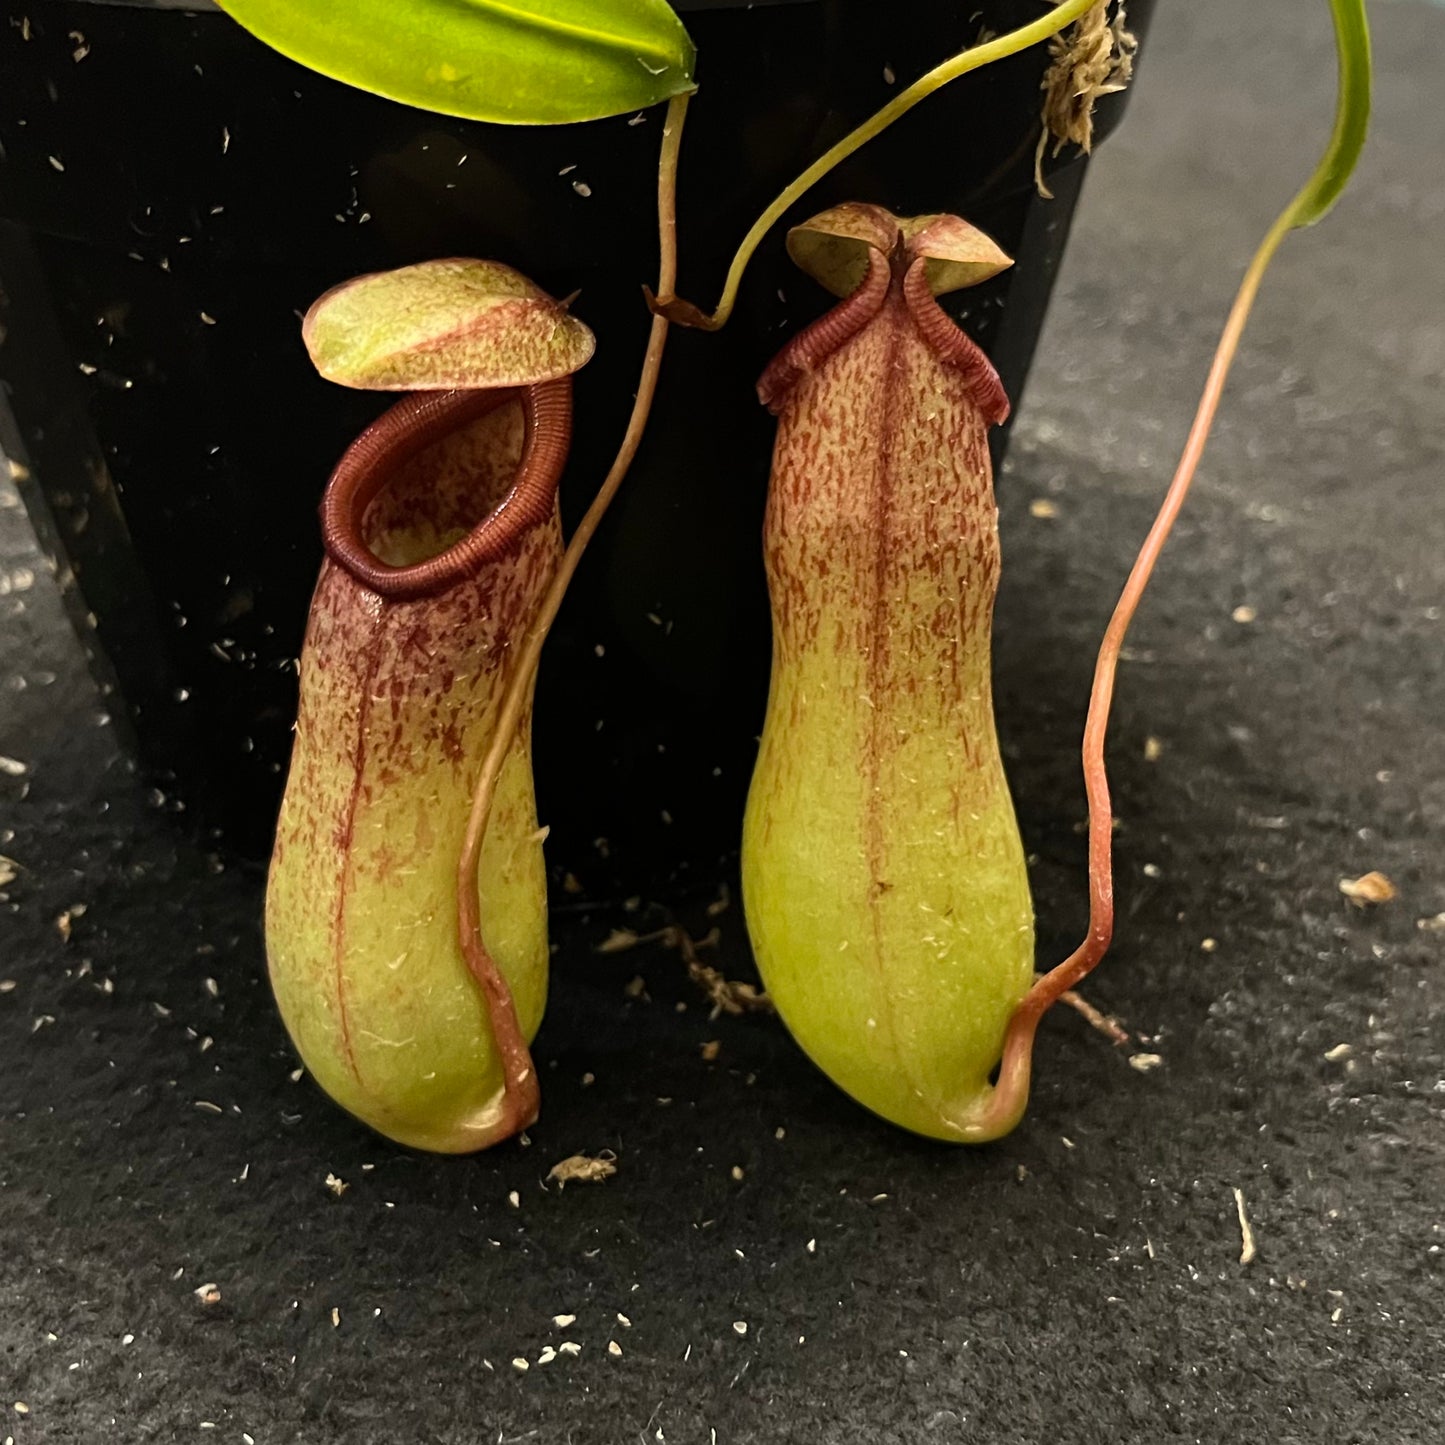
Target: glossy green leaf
(521,62)
(443,324)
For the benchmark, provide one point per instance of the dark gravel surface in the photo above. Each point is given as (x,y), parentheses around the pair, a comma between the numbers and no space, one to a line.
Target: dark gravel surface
(1079,1281)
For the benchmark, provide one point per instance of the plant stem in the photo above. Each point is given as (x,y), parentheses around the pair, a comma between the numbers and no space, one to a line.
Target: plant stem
(522,1097)
(999,48)
(1006,1104)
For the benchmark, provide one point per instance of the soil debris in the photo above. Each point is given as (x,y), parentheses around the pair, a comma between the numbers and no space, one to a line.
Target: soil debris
(1433,924)
(727,996)
(1145,1062)
(208,1294)
(584,1169)
(1368,888)
(1094,57)
(1107,1025)
(337,1186)
(1246,1233)
(64,922)
(619,941)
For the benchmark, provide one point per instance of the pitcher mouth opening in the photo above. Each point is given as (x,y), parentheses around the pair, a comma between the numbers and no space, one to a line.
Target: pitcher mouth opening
(409,428)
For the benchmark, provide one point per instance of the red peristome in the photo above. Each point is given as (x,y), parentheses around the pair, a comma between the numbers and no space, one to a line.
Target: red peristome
(408,429)
(907,278)
(811,346)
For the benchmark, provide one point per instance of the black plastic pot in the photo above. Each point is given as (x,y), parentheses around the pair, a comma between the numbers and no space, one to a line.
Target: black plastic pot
(173,195)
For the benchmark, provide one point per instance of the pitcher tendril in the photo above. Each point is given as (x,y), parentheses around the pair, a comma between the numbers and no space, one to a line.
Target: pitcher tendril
(1000,48)
(1310,205)
(520,1075)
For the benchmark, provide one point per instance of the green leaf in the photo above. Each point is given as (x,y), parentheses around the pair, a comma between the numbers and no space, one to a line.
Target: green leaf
(443,324)
(521,62)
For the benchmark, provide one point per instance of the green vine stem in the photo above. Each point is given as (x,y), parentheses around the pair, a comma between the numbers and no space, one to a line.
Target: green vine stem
(1352,112)
(521,1080)
(1000,48)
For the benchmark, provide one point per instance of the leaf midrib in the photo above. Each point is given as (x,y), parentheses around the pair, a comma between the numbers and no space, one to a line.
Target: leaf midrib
(519,15)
